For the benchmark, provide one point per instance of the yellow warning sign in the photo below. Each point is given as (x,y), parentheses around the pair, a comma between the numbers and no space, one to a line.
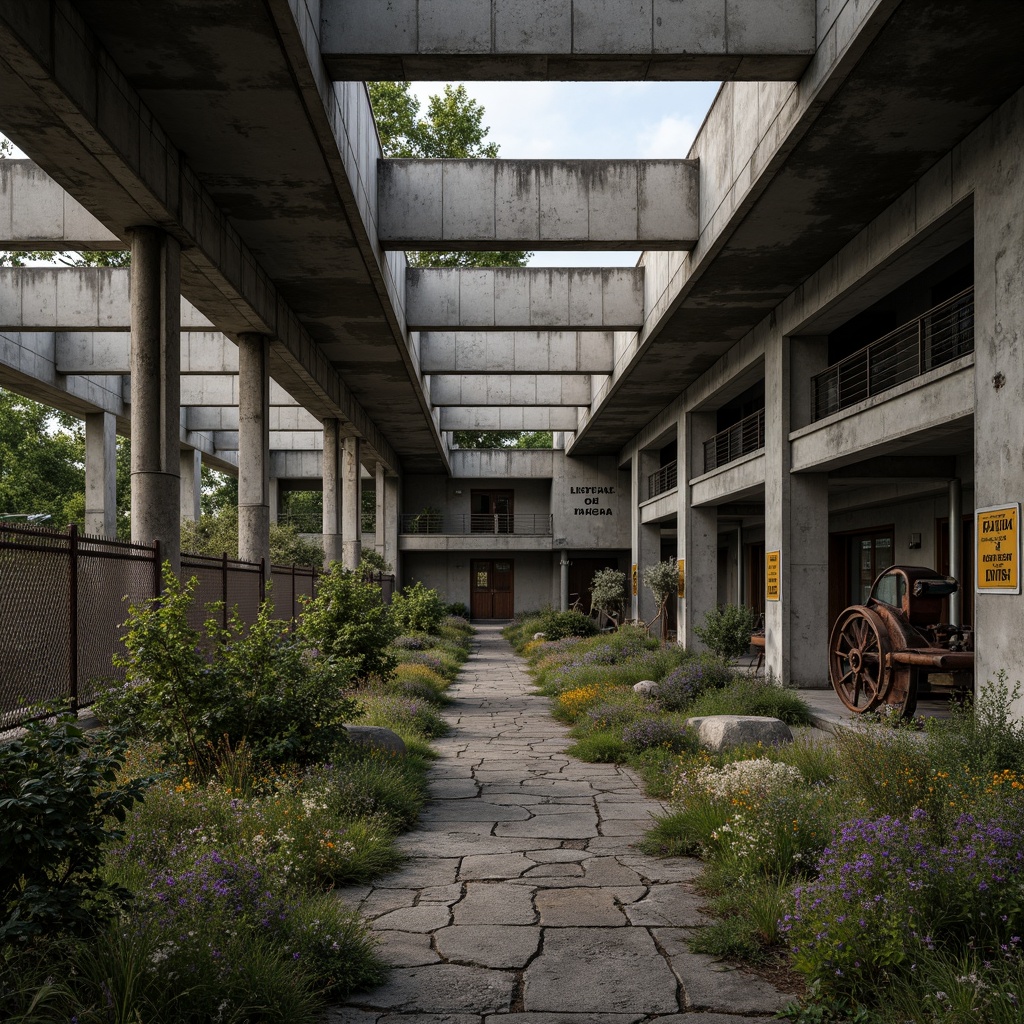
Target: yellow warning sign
(997,536)
(682,577)
(772,575)
(634,580)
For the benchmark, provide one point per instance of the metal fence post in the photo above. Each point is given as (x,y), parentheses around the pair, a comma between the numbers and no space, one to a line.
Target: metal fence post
(73,612)
(224,588)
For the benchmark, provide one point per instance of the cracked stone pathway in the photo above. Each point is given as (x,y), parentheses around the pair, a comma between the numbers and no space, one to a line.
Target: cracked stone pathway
(523,894)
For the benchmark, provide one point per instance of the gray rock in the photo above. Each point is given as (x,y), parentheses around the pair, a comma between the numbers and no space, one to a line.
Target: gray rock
(599,970)
(578,908)
(406,949)
(424,918)
(483,945)
(720,732)
(443,988)
(495,903)
(539,636)
(645,686)
(377,737)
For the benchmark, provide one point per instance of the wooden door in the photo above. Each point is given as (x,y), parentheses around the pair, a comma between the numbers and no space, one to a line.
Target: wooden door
(492,588)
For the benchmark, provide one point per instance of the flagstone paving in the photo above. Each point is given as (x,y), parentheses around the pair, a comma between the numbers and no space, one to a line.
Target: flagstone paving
(524,900)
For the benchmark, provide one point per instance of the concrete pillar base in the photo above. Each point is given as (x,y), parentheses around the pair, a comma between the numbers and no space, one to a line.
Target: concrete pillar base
(154,518)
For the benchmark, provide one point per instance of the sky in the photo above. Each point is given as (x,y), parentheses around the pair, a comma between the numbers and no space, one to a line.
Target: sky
(618,120)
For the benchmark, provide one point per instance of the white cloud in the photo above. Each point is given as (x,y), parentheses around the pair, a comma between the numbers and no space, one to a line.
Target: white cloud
(670,138)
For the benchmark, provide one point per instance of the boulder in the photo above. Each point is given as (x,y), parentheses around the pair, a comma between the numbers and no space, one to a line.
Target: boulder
(719,732)
(377,737)
(647,687)
(539,636)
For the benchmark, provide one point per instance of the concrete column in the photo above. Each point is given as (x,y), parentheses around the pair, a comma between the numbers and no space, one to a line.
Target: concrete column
(999,373)
(392,518)
(275,499)
(796,525)
(956,514)
(101,474)
(563,580)
(156,390)
(378,523)
(254,448)
(190,465)
(696,531)
(332,492)
(351,503)
(646,540)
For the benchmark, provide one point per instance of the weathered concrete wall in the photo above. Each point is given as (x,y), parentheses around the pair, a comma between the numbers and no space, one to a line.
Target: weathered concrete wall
(743,478)
(507,418)
(100,352)
(567,39)
(36,213)
(510,389)
(502,464)
(590,502)
(537,204)
(530,298)
(520,351)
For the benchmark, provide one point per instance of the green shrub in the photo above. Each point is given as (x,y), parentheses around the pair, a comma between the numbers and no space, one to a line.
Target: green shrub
(696,675)
(416,718)
(726,630)
(556,625)
(60,803)
(416,609)
(347,621)
(373,562)
(599,748)
(749,696)
(608,590)
(419,682)
(260,688)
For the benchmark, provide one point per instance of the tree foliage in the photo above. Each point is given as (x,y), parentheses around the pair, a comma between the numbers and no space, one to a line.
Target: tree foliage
(452,128)
(531,439)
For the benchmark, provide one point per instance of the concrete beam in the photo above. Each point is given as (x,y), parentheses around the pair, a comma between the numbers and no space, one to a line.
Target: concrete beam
(577,40)
(280,440)
(518,351)
(220,389)
(36,213)
(102,352)
(503,389)
(538,204)
(225,418)
(508,418)
(525,299)
(74,299)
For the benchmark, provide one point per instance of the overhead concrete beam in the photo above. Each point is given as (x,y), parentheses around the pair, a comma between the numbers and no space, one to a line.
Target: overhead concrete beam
(286,440)
(36,213)
(219,389)
(225,417)
(508,418)
(517,351)
(100,352)
(575,40)
(538,204)
(101,141)
(528,298)
(74,299)
(503,389)
(296,465)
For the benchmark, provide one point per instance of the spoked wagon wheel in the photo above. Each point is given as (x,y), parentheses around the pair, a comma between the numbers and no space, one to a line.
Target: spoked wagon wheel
(857,659)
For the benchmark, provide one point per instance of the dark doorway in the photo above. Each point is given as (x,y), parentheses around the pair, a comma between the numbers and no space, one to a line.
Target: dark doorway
(581,576)
(492,588)
(855,560)
(491,512)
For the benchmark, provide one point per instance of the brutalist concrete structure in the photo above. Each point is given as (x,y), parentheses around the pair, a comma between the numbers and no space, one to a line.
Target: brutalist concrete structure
(815,369)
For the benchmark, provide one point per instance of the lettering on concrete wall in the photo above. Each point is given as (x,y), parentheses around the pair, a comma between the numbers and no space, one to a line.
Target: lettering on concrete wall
(592,501)
(682,577)
(633,574)
(997,533)
(773,575)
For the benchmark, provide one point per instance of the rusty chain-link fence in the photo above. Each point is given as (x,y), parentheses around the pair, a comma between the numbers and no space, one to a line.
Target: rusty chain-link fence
(64,598)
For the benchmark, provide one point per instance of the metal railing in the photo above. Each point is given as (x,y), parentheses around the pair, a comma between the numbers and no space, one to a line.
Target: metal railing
(940,336)
(740,439)
(519,524)
(64,599)
(664,480)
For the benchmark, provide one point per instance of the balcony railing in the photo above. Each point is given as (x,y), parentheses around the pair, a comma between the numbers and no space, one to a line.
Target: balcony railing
(943,334)
(520,524)
(740,439)
(664,480)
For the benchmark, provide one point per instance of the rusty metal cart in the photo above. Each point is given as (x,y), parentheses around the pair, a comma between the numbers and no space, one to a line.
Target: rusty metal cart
(887,650)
